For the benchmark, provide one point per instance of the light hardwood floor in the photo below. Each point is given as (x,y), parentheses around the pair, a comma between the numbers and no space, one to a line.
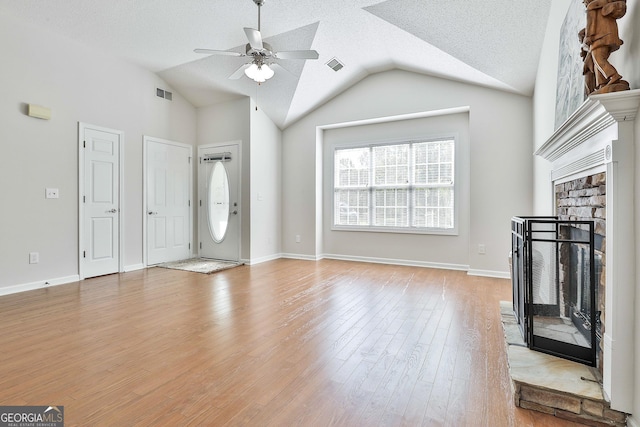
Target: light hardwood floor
(277,344)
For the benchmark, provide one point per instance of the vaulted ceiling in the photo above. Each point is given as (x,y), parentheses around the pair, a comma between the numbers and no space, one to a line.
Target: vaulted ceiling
(494,43)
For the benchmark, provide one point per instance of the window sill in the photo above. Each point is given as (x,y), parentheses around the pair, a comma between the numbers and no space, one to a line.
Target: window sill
(396,230)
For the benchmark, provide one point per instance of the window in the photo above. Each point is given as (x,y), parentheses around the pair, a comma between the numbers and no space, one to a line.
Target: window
(407,186)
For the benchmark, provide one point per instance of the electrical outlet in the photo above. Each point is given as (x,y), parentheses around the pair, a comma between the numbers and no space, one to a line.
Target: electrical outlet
(482,249)
(34,257)
(52,193)
(297,238)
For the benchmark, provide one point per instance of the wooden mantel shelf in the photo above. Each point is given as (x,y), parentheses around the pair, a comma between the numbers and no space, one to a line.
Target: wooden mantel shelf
(596,113)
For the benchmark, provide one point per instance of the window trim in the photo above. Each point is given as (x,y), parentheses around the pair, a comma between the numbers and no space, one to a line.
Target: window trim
(454,231)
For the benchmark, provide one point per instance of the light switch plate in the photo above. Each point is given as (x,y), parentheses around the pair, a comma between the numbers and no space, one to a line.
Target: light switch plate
(52,193)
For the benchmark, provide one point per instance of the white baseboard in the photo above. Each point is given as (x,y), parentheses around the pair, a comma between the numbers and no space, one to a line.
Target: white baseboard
(392,261)
(301,257)
(254,261)
(490,273)
(410,263)
(41,284)
(633,421)
(134,267)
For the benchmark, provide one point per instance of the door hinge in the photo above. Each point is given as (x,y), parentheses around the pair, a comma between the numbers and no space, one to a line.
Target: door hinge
(84,199)
(189,203)
(84,254)
(200,245)
(84,144)
(200,160)
(189,245)
(189,160)
(200,203)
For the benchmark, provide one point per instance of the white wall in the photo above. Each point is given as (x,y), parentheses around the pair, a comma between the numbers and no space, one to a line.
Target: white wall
(266,186)
(627,62)
(544,106)
(447,251)
(500,137)
(79,85)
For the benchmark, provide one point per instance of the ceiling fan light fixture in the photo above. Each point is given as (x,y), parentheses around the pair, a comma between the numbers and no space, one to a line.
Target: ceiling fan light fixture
(259,73)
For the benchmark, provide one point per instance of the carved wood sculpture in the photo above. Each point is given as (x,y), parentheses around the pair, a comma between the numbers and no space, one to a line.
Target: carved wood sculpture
(599,39)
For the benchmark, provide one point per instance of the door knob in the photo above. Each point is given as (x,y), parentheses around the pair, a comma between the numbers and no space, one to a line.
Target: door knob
(153,213)
(112,211)
(235,212)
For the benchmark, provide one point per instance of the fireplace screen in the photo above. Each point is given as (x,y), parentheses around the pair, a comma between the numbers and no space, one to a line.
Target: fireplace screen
(554,273)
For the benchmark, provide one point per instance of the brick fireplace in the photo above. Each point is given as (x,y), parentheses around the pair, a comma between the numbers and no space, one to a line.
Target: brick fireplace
(584,199)
(593,170)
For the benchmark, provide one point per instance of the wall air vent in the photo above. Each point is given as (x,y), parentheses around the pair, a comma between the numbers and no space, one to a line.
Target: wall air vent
(335,65)
(164,94)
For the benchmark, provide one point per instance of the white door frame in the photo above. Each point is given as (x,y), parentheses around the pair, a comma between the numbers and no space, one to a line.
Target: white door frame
(81,190)
(237,143)
(146,139)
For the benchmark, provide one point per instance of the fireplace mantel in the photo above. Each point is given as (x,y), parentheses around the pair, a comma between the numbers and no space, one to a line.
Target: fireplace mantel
(600,136)
(596,113)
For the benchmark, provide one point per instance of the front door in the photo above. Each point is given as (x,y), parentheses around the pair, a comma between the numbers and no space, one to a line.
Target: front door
(219,201)
(99,200)
(168,200)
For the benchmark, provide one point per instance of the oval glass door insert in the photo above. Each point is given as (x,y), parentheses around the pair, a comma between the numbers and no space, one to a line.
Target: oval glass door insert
(218,202)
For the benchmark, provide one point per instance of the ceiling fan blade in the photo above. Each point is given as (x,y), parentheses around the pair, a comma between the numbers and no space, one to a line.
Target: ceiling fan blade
(297,54)
(218,52)
(255,38)
(239,72)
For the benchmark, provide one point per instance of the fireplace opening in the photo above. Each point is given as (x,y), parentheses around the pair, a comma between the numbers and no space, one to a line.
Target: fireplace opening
(555,266)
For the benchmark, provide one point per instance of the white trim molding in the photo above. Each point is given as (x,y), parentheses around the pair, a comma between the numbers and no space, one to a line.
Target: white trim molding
(134,267)
(40,284)
(301,257)
(490,273)
(260,260)
(597,113)
(392,261)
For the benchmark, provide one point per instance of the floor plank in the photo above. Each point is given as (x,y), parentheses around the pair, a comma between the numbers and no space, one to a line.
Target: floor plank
(288,342)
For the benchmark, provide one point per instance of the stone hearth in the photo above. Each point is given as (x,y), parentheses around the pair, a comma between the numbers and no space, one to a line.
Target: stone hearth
(555,386)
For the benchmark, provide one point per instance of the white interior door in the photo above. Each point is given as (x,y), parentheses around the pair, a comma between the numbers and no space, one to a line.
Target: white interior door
(219,201)
(100,201)
(168,200)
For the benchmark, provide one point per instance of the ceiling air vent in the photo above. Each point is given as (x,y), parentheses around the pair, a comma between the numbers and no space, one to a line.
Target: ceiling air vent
(335,65)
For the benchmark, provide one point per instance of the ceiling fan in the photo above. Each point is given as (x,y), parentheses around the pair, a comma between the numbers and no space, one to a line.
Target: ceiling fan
(263,57)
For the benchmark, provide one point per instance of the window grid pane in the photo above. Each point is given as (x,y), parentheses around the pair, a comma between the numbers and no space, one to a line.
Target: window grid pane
(352,167)
(391,208)
(433,162)
(408,185)
(391,164)
(352,207)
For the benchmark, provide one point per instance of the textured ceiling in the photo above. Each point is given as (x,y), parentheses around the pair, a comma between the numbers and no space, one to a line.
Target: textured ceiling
(493,43)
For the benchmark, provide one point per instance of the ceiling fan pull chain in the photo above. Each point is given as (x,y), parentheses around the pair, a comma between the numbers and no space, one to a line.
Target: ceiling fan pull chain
(257,90)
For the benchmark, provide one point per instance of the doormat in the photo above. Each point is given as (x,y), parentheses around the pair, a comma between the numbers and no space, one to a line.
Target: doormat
(200,265)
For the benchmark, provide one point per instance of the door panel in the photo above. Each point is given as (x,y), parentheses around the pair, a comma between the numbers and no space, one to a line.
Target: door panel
(219,203)
(168,172)
(100,201)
